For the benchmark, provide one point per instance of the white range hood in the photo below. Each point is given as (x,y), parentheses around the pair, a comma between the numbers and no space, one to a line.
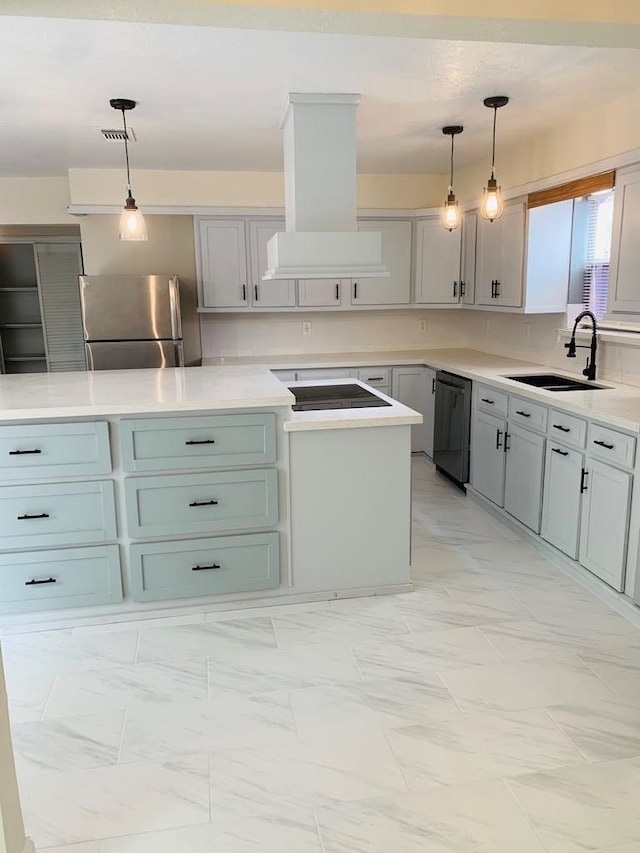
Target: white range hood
(321,240)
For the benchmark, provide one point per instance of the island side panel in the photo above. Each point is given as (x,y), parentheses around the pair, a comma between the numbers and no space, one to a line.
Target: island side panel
(350,509)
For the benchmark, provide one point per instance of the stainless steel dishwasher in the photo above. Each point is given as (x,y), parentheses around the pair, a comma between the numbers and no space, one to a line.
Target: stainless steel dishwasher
(452,425)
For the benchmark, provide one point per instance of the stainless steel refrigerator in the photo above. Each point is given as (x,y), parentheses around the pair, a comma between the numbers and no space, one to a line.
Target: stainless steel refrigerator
(131,321)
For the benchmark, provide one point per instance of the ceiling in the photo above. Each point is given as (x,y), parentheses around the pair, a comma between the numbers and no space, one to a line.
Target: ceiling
(212,98)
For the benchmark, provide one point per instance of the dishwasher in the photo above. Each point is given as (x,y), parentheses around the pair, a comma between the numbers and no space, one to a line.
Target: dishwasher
(452,426)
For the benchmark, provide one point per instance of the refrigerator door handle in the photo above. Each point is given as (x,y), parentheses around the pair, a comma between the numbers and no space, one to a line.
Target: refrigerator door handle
(174,301)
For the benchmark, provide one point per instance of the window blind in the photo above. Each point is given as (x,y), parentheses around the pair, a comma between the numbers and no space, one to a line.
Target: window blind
(573,189)
(595,284)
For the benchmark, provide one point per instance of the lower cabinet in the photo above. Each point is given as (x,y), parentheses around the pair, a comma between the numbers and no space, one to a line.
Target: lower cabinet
(605,520)
(562,498)
(68,577)
(411,386)
(523,476)
(183,569)
(488,457)
(429,412)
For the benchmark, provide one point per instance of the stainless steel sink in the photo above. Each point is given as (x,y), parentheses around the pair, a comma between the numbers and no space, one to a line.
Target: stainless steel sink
(551,382)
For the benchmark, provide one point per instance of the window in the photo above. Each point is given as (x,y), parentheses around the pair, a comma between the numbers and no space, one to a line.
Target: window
(595,283)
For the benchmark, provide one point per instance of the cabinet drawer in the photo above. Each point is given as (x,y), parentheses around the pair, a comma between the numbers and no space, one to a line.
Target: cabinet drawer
(379,377)
(324,373)
(567,428)
(201,503)
(204,566)
(54,450)
(73,577)
(611,446)
(164,444)
(285,375)
(57,514)
(528,414)
(492,401)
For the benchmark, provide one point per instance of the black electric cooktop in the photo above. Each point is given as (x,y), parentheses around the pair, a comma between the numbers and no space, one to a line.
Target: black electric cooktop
(313,397)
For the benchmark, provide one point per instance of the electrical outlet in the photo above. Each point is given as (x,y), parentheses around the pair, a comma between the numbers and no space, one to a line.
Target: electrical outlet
(422,325)
(306,328)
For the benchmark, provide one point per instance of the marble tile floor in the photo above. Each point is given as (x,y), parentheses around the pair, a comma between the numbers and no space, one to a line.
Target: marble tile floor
(496,707)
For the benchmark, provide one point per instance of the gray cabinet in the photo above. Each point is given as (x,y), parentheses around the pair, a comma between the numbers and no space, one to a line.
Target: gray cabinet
(468,260)
(437,263)
(500,259)
(624,294)
(396,256)
(223,263)
(562,498)
(267,294)
(605,521)
(410,386)
(321,292)
(488,457)
(429,413)
(523,476)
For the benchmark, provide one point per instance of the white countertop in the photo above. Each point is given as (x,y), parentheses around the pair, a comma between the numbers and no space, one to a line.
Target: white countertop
(617,404)
(392,415)
(135,392)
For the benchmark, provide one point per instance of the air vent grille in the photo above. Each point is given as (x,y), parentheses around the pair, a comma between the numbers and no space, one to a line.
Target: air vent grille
(118,134)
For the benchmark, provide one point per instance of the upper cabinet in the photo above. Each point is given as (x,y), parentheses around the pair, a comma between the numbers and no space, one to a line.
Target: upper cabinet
(468,260)
(437,259)
(396,256)
(624,293)
(267,294)
(223,263)
(500,259)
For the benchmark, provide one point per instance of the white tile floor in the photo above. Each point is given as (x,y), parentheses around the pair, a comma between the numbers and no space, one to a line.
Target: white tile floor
(495,708)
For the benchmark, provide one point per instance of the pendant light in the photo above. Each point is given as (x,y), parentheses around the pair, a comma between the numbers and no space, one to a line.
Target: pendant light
(451,213)
(492,205)
(132,224)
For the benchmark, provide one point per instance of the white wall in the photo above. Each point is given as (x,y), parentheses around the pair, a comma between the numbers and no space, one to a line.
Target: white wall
(35,201)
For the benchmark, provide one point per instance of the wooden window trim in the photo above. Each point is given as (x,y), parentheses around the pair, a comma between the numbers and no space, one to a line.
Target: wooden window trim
(574,189)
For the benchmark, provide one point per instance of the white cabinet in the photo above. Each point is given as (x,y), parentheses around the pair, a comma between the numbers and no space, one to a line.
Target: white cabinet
(562,498)
(624,293)
(523,476)
(487,456)
(396,256)
(468,261)
(410,386)
(429,412)
(324,373)
(321,292)
(500,259)
(267,294)
(437,263)
(605,520)
(223,263)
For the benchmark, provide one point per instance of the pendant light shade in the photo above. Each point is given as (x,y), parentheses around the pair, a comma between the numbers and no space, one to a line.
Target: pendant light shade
(492,206)
(132,224)
(451,215)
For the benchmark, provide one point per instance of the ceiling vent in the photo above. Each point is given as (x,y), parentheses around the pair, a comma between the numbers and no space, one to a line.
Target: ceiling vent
(118,134)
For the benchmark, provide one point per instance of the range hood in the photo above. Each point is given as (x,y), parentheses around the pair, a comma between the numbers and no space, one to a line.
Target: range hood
(321,240)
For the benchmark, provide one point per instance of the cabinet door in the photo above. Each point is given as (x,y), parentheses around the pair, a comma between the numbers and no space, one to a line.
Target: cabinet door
(267,294)
(487,456)
(511,256)
(624,294)
(561,498)
(59,265)
(223,264)
(523,476)
(605,518)
(396,256)
(410,386)
(320,292)
(437,263)
(468,268)
(429,412)
(487,260)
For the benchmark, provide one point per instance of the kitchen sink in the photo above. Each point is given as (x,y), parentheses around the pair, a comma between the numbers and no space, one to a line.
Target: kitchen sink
(551,382)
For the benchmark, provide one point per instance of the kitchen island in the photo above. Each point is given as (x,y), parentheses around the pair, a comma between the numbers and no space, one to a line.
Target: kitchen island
(147,490)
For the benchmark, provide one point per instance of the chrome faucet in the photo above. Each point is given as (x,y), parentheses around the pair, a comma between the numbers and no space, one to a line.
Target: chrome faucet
(590,369)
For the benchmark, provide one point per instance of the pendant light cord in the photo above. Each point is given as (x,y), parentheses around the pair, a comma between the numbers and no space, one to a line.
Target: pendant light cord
(493,149)
(451,179)
(126,150)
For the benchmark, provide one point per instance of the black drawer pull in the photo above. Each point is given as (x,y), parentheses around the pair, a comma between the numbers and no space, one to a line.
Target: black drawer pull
(375,379)
(34,582)
(498,439)
(203,503)
(561,428)
(23,452)
(204,568)
(337,293)
(604,444)
(561,452)
(29,517)
(201,441)
(524,414)
(486,400)
(583,480)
